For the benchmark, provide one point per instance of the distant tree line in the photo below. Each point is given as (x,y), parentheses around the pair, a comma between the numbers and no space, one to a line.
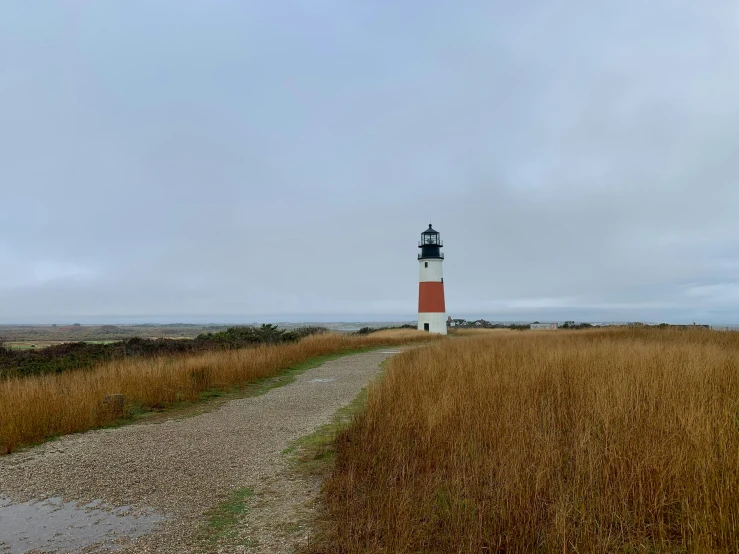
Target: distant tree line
(477,323)
(369,330)
(573,325)
(78,332)
(79,355)
(484,324)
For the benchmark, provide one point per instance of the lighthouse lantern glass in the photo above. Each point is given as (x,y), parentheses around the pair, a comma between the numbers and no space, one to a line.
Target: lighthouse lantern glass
(430,244)
(430,236)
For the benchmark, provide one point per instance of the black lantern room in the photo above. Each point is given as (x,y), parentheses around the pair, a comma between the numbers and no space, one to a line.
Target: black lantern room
(430,245)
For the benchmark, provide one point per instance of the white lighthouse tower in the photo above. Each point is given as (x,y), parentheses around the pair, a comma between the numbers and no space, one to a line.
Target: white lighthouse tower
(431,307)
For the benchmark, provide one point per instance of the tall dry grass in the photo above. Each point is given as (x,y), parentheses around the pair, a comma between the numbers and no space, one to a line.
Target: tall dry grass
(587,441)
(467,332)
(36,408)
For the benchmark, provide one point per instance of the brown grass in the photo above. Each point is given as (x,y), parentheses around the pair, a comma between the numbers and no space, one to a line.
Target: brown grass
(465,332)
(33,409)
(586,441)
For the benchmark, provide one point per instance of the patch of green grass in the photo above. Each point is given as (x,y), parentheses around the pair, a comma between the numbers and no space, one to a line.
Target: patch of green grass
(223,518)
(21,346)
(212,393)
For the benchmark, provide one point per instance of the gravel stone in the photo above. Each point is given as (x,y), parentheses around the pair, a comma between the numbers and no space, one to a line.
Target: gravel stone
(182,468)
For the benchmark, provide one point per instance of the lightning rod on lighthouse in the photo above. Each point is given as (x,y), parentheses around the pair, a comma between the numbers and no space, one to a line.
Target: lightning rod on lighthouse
(431,307)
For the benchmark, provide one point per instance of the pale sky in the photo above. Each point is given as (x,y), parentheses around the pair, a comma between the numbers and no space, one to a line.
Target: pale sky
(244,161)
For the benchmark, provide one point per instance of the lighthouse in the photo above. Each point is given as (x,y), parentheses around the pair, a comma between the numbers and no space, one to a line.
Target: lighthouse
(431,308)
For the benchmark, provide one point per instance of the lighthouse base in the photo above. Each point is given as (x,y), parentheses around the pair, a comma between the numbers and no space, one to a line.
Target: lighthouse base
(433,322)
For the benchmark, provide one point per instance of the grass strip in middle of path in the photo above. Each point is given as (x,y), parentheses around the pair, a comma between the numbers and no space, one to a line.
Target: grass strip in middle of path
(222,519)
(312,454)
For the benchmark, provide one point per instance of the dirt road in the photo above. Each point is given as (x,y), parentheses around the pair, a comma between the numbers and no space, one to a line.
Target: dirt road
(158,487)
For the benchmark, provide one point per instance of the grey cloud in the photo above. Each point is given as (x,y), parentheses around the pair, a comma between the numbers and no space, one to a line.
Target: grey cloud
(162,160)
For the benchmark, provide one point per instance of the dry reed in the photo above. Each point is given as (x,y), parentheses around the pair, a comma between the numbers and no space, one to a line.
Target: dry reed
(35,408)
(588,441)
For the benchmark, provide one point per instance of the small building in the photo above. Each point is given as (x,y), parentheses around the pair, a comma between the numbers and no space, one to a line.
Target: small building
(544,326)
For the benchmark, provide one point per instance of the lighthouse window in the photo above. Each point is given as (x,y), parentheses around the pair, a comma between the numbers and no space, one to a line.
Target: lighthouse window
(426,264)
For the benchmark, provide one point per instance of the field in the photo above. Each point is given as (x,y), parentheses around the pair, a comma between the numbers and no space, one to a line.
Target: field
(55,334)
(610,440)
(38,407)
(29,345)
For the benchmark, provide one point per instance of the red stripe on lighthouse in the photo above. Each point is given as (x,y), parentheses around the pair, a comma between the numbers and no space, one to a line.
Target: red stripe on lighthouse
(431,297)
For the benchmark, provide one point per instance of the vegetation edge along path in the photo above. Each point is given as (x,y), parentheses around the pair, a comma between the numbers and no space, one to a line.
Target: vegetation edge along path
(212,399)
(314,453)
(614,440)
(220,478)
(35,409)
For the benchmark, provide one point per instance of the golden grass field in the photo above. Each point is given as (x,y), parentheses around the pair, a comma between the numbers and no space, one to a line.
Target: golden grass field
(35,408)
(609,440)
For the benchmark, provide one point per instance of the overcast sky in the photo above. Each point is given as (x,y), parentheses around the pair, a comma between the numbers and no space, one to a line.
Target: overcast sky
(241,161)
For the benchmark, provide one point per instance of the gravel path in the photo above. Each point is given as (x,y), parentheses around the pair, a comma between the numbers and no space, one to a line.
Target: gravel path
(162,479)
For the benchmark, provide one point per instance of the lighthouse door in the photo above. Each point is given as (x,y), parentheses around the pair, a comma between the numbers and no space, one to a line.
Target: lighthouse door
(425,326)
